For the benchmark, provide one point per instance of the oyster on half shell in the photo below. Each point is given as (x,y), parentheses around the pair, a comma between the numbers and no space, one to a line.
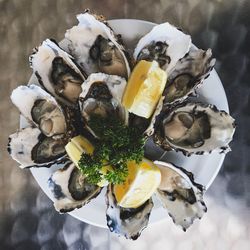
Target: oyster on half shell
(41,109)
(70,188)
(96,48)
(187,75)
(57,72)
(101,95)
(31,148)
(128,222)
(164,44)
(194,128)
(180,195)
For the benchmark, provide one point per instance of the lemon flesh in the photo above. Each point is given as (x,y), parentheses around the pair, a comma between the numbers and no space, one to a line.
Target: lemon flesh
(142,181)
(144,88)
(79,145)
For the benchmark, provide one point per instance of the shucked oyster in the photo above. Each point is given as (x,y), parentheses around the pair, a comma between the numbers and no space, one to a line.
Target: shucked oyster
(188,74)
(95,47)
(31,148)
(194,128)
(164,44)
(56,72)
(128,222)
(180,195)
(70,189)
(102,94)
(41,109)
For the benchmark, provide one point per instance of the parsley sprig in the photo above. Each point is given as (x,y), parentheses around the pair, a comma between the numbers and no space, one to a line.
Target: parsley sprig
(117,145)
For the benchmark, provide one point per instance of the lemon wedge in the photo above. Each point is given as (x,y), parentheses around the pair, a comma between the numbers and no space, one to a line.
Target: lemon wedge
(144,89)
(141,182)
(79,145)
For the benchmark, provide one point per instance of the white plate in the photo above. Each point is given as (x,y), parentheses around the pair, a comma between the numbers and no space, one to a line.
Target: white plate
(204,168)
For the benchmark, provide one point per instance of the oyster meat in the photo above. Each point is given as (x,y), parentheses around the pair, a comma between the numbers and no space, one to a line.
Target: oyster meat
(41,109)
(164,44)
(180,195)
(70,188)
(128,222)
(188,74)
(31,148)
(57,72)
(194,128)
(95,47)
(102,94)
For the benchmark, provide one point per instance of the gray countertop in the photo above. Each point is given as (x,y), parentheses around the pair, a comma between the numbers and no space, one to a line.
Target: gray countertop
(27,217)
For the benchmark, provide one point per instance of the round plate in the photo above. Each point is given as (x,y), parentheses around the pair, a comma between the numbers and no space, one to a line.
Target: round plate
(205,168)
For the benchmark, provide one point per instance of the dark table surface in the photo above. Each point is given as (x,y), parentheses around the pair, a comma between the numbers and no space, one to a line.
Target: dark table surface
(27,217)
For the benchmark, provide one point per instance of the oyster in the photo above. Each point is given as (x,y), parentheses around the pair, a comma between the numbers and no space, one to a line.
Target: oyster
(95,47)
(188,74)
(70,188)
(102,94)
(165,44)
(180,195)
(128,222)
(194,128)
(31,148)
(56,72)
(41,109)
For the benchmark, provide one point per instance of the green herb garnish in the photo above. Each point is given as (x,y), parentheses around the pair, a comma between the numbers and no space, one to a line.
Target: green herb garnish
(117,145)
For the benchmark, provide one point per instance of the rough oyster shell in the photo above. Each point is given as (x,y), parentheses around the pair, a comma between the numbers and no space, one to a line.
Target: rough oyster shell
(194,128)
(41,109)
(188,74)
(31,148)
(70,189)
(56,72)
(180,195)
(95,47)
(165,44)
(102,94)
(128,222)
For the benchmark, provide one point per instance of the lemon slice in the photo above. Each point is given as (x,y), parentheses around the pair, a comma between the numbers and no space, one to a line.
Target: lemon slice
(141,182)
(79,145)
(144,89)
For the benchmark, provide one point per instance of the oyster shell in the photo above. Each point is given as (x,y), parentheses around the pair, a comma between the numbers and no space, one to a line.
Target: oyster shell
(180,195)
(102,95)
(56,72)
(95,47)
(128,222)
(41,109)
(188,74)
(70,188)
(194,128)
(165,44)
(31,148)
